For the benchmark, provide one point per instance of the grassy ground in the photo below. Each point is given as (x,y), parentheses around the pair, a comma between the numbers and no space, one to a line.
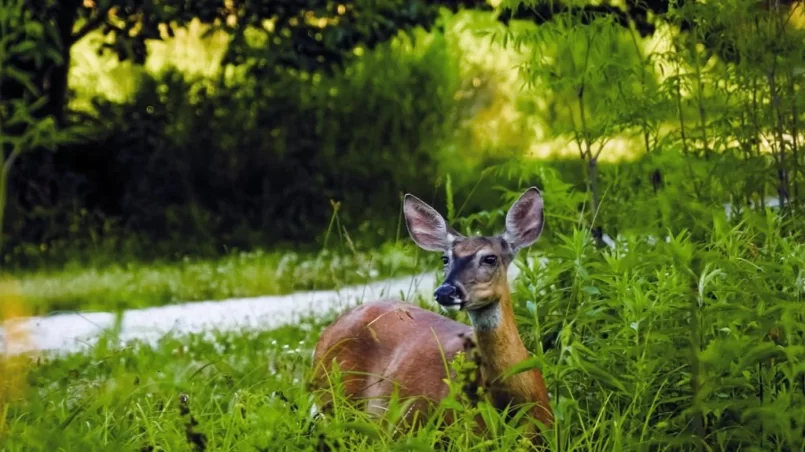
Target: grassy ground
(138,284)
(661,346)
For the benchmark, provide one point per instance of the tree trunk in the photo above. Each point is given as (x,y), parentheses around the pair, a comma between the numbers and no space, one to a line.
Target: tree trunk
(57,79)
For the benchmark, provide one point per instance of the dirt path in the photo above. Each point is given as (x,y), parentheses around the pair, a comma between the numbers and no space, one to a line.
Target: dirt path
(63,333)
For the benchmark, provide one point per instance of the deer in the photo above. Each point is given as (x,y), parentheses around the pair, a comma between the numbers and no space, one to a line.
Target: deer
(387,345)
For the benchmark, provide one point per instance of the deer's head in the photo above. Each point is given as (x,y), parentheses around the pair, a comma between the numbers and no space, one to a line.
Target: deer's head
(474,267)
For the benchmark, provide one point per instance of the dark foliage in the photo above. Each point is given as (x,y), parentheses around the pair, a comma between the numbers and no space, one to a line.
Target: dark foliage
(258,163)
(255,163)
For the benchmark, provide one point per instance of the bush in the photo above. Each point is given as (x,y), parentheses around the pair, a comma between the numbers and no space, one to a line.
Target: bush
(253,159)
(673,344)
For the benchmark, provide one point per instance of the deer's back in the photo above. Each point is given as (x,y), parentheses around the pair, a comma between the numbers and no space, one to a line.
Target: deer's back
(379,343)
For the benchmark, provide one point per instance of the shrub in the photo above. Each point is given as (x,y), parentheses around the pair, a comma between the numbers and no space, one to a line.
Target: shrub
(248,160)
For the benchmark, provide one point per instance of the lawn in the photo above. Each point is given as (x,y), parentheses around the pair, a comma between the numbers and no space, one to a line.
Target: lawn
(649,346)
(137,284)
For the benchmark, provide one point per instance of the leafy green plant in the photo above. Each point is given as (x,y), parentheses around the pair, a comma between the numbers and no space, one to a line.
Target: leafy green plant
(693,342)
(22,127)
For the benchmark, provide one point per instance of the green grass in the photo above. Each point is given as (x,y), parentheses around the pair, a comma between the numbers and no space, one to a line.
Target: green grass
(246,391)
(649,347)
(144,284)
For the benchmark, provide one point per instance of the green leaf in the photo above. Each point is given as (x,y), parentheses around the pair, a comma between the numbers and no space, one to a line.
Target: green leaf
(591,290)
(54,55)
(23,47)
(525,365)
(761,352)
(364,428)
(600,374)
(34,29)
(21,77)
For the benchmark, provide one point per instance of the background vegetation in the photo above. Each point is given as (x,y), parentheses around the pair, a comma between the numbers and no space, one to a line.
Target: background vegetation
(245,148)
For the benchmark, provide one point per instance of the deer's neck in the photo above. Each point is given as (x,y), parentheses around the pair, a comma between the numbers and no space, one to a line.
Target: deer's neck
(501,347)
(498,339)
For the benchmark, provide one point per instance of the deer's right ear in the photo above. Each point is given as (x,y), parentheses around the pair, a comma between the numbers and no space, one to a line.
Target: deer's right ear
(524,220)
(425,225)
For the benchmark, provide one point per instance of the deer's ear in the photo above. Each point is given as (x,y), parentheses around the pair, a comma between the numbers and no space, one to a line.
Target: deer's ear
(425,225)
(524,221)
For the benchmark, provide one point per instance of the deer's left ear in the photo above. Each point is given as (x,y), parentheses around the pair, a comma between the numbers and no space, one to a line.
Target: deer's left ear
(524,220)
(425,225)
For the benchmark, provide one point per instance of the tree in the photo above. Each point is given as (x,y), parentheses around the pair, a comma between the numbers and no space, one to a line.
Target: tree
(305,35)
(317,35)
(31,44)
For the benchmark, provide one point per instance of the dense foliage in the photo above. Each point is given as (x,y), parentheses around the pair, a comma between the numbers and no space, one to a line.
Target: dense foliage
(230,158)
(271,146)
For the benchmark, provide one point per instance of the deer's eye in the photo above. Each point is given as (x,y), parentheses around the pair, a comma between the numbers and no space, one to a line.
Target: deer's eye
(490,260)
(445,260)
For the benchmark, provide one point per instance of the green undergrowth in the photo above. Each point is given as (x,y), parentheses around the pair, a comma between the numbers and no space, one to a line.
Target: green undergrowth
(116,273)
(684,344)
(143,284)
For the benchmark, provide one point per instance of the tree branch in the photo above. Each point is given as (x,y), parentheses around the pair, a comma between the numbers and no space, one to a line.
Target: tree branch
(91,24)
(545,12)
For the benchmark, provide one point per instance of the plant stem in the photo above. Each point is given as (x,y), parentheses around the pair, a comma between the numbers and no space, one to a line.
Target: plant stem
(592,165)
(643,121)
(5,169)
(782,171)
(695,372)
(700,102)
(794,134)
(682,130)
(588,152)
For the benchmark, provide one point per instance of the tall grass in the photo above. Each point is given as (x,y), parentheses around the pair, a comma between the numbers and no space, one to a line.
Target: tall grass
(675,345)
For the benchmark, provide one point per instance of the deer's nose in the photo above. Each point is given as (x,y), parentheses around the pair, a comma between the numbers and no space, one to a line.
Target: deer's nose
(447,295)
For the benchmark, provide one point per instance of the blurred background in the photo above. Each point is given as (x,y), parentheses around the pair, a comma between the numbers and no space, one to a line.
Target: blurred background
(175,150)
